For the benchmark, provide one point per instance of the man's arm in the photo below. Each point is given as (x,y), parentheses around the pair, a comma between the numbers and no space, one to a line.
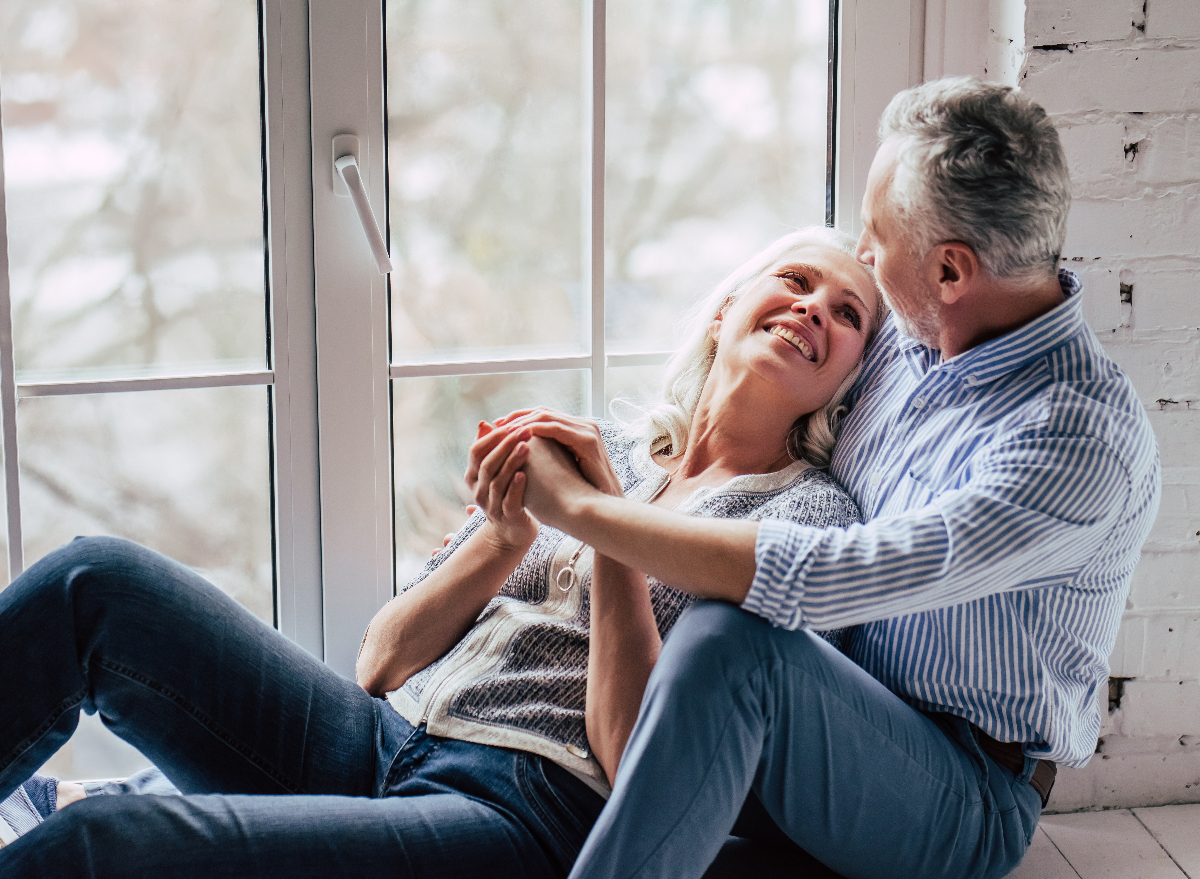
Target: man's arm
(1035,509)
(711,558)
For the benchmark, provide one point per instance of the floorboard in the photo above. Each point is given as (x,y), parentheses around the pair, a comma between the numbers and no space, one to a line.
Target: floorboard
(1109,845)
(1043,861)
(1177,829)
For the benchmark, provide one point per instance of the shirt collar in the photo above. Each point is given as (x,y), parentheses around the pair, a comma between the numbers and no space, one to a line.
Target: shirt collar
(1012,351)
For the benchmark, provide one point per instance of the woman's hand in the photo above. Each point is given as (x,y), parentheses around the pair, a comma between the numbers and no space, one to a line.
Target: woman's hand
(580,436)
(499,486)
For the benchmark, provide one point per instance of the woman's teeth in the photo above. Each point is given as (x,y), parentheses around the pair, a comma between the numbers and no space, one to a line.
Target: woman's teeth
(795,341)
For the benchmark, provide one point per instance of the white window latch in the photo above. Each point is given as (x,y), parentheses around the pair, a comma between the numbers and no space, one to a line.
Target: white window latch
(345,164)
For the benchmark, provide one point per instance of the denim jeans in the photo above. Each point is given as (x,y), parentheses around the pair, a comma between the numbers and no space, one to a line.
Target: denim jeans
(851,773)
(286,768)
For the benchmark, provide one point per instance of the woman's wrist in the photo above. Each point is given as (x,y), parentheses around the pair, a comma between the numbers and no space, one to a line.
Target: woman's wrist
(508,541)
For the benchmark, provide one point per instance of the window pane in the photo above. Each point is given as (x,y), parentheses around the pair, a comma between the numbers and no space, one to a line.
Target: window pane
(628,387)
(182,472)
(715,144)
(485,154)
(434,422)
(133,177)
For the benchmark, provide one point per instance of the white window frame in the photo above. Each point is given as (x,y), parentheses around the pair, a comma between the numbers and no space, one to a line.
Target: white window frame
(328,371)
(326,289)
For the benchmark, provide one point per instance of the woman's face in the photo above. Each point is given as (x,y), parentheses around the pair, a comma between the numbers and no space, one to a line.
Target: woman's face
(801,327)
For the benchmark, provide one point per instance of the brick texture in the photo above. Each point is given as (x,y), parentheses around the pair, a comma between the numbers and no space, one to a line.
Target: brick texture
(1048,22)
(1150,707)
(1175,19)
(1125,79)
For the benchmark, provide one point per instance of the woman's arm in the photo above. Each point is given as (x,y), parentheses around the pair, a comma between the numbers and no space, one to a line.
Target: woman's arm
(421,624)
(624,647)
(624,640)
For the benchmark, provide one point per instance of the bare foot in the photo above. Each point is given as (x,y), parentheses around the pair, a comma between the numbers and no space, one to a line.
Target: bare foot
(69,792)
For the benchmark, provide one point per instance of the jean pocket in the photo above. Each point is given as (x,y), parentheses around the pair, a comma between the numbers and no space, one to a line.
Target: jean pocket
(566,806)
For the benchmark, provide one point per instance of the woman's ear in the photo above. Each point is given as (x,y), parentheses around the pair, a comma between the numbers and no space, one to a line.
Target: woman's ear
(714,328)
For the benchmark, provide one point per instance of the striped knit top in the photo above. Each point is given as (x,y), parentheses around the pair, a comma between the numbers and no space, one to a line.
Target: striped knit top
(517,678)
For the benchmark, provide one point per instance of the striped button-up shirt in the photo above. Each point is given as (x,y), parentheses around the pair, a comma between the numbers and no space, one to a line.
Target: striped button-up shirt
(1007,493)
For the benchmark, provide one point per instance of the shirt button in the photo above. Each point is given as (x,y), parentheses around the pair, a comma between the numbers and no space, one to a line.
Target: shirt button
(918,403)
(576,751)
(972,380)
(875,479)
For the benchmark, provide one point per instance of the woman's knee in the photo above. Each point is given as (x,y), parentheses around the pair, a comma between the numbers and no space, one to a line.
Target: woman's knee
(109,577)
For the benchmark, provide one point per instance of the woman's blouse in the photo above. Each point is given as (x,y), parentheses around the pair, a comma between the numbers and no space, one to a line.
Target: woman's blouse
(517,679)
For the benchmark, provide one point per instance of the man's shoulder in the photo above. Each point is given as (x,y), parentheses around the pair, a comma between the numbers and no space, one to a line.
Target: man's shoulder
(1083,392)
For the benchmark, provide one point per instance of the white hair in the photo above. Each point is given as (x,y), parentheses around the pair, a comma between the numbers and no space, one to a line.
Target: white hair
(982,164)
(668,421)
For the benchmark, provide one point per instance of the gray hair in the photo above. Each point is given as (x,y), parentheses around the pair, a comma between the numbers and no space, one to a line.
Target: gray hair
(668,421)
(983,165)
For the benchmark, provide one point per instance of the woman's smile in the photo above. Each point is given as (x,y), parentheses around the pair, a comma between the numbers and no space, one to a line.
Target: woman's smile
(795,339)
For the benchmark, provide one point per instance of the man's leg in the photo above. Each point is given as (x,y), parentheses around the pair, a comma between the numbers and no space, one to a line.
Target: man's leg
(851,773)
(217,699)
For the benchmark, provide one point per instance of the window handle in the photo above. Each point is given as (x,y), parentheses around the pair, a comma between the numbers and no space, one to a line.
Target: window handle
(347,168)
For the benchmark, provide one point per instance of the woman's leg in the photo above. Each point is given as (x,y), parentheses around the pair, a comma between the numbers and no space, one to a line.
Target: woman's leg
(453,810)
(217,699)
(852,774)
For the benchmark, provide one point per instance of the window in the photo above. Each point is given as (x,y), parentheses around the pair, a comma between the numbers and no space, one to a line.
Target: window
(204,356)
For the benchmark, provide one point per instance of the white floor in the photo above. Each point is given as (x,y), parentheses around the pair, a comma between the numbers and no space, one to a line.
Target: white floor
(1158,843)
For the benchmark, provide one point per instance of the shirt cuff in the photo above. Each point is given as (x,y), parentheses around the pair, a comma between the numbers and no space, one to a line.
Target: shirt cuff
(782,553)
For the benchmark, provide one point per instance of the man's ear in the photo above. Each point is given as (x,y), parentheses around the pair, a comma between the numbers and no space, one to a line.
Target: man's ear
(953,267)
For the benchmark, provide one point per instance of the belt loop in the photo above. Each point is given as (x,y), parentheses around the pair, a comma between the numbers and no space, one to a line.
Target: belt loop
(1027,773)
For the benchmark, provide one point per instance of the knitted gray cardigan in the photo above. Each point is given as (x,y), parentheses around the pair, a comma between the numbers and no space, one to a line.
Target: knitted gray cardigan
(517,678)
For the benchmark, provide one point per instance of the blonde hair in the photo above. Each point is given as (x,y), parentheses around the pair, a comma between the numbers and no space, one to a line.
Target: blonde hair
(668,421)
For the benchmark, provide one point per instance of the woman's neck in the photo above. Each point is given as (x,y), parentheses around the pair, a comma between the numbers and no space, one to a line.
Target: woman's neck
(734,431)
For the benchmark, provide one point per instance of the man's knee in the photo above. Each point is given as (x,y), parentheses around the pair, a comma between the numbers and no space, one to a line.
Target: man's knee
(714,642)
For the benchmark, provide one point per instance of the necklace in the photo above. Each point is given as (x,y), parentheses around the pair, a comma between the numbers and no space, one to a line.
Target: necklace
(567,578)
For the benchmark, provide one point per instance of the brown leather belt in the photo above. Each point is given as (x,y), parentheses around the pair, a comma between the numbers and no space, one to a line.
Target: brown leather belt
(1011,757)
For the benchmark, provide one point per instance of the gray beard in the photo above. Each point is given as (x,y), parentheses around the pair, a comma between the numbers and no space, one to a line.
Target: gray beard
(923,323)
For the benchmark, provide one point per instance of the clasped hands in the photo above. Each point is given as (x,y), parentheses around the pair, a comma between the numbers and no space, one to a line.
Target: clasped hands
(534,465)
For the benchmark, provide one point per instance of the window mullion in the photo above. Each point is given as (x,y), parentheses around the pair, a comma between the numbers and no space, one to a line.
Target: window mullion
(8,395)
(594,79)
(353,394)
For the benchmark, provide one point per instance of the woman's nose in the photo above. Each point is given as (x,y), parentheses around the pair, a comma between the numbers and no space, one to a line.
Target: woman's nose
(811,308)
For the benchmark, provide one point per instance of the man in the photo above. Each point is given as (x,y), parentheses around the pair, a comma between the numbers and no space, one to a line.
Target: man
(1008,477)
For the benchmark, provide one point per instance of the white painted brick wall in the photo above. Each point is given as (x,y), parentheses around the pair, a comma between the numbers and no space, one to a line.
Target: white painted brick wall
(1125,96)
(1173,19)
(1149,706)
(1047,23)
(1124,78)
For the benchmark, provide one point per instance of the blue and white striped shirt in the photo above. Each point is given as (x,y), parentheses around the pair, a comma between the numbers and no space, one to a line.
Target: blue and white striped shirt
(1007,493)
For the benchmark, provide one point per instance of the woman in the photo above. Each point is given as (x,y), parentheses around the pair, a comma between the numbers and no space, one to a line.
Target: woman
(506,720)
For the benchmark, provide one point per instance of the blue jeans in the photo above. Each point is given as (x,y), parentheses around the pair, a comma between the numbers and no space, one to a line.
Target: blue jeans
(287,769)
(850,772)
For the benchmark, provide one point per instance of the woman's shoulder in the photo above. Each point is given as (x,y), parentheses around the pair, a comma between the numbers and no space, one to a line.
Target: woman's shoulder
(815,498)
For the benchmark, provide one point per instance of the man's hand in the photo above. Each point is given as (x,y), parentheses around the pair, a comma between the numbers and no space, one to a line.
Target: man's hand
(550,477)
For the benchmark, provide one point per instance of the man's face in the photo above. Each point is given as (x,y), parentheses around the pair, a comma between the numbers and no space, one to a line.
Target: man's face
(884,245)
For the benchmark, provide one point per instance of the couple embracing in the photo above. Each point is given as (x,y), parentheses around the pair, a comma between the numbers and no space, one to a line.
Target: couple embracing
(881,648)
